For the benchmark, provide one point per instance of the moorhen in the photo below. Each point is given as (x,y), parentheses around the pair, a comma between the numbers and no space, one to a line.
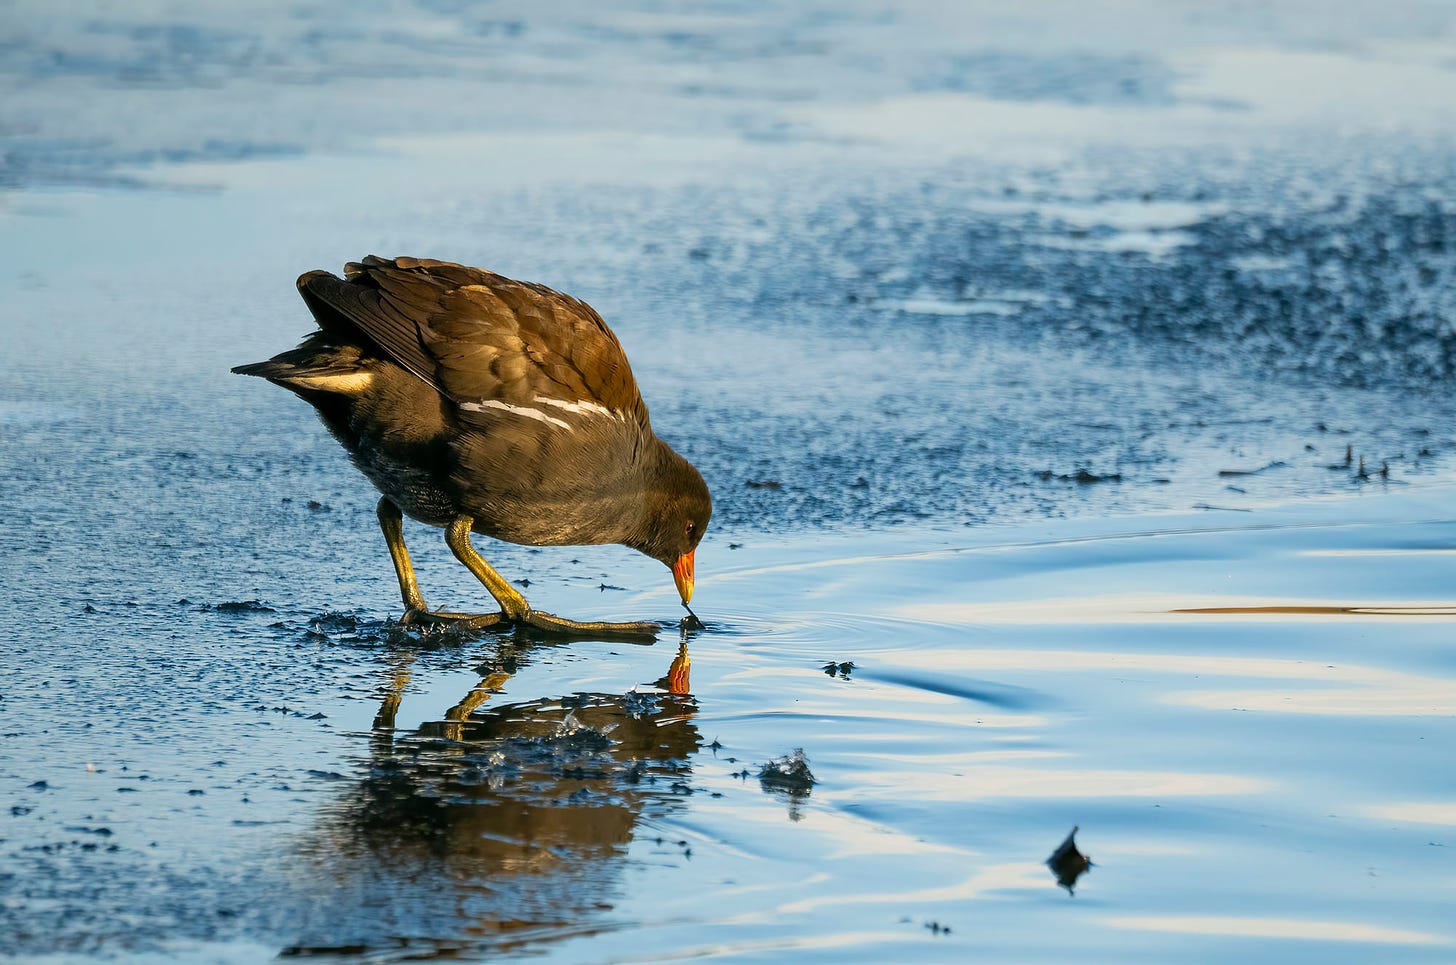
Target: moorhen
(482,404)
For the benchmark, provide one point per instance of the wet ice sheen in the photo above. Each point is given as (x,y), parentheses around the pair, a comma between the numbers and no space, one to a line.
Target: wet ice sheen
(593,822)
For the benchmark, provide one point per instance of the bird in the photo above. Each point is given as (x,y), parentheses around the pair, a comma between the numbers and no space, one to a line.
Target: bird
(485,405)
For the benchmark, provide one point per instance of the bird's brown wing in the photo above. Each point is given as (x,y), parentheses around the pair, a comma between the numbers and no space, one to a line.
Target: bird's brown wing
(479,337)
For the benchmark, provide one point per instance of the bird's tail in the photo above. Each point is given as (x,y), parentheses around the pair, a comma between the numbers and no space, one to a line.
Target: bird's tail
(314,367)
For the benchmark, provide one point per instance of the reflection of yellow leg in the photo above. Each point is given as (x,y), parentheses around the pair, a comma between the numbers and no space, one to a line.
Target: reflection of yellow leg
(457,716)
(415,610)
(389,707)
(514,606)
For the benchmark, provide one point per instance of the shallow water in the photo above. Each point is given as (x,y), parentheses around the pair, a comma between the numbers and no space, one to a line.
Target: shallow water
(1261,783)
(1074,409)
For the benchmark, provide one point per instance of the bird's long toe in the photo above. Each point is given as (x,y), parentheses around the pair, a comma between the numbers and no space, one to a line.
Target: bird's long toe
(548,622)
(462,621)
(594,628)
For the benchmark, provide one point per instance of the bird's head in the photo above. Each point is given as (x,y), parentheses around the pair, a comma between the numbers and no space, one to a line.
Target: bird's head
(678,511)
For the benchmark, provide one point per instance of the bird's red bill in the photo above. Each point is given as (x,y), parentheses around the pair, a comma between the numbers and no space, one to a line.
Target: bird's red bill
(682,575)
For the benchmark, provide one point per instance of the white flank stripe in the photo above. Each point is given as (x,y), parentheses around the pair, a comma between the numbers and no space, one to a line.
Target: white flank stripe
(581,408)
(524,410)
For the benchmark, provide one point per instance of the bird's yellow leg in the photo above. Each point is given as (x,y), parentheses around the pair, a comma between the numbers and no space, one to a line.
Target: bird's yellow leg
(415,610)
(513,604)
(457,537)
(391,522)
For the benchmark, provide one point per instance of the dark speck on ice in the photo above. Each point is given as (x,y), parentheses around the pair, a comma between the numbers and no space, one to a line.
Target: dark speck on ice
(1068,863)
(1083,477)
(243,606)
(789,773)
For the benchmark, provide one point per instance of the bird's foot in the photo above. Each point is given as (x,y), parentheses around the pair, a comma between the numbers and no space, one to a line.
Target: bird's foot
(462,621)
(539,619)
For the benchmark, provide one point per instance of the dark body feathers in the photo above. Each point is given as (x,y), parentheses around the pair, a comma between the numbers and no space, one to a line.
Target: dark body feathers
(458,391)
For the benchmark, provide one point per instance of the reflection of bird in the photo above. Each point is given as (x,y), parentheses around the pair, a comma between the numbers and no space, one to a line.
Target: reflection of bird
(501,824)
(481,404)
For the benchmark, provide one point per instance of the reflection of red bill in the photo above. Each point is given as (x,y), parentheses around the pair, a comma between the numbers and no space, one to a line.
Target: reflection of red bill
(678,673)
